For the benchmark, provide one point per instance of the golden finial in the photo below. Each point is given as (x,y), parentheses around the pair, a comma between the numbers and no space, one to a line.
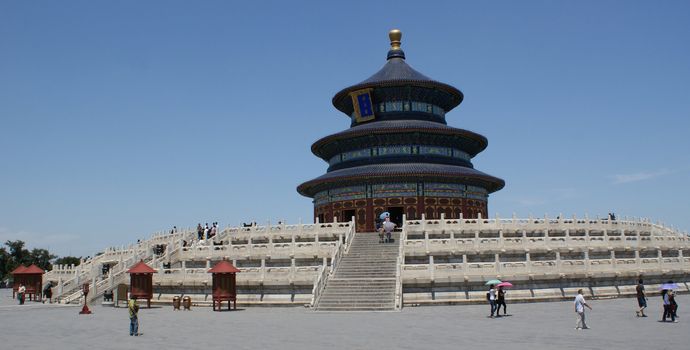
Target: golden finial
(395,35)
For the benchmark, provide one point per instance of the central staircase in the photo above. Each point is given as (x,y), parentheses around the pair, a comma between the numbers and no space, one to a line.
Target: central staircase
(365,278)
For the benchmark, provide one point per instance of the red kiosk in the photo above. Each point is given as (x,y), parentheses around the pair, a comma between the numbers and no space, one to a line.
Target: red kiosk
(224,284)
(141,281)
(17,278)
(32,279)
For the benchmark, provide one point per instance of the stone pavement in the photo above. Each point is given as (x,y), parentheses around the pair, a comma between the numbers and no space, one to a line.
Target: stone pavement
(531,326)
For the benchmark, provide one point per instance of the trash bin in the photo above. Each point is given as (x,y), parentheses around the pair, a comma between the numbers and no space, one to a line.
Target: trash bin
(176,303)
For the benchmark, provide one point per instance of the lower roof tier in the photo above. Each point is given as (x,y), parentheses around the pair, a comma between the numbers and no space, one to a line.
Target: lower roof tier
(401,172)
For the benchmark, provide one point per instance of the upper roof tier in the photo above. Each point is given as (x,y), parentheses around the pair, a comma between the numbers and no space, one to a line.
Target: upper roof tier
(397,73)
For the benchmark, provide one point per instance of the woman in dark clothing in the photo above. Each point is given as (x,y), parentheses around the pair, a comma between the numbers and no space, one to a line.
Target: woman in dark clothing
(501,300)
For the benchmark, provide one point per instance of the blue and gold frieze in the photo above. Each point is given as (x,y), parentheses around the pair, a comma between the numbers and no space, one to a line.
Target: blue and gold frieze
(361,153)
(400,150)
(436,151)
(409,106)
(402,189)
(321,198)
(392,150)
(437,189)
(475,192)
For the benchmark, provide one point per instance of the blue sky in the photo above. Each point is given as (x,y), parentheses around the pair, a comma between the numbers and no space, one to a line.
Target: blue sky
(121,118)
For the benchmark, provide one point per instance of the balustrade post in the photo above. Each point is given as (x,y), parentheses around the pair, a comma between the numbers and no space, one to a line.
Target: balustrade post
(423,222)
(263,270)
(528,261)
(558,262)
(682,259)
(464,264)
(497,263)
(431,268)
(587,266)
(426,242)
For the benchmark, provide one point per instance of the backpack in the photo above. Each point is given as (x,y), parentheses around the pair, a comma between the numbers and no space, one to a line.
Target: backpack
(488,296)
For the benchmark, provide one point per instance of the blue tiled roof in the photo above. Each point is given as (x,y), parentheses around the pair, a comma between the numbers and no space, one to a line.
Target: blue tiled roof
(396,72)
(394,172)
(401,126)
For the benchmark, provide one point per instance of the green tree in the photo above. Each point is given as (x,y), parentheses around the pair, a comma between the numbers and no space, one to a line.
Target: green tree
(67,260)
(4,260)
(42,258)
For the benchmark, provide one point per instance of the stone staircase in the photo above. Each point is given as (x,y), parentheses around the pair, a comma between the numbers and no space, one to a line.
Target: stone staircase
(365,278)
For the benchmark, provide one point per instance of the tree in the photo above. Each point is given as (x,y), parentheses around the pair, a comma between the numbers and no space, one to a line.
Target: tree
(67,260)
(42,258)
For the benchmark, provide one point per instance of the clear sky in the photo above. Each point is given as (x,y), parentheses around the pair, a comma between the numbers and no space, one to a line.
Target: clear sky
(121,118)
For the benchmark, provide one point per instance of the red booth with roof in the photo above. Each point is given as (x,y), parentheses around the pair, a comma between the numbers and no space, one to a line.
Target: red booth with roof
(141,281)
(224,284)
(32,279)
(17,278)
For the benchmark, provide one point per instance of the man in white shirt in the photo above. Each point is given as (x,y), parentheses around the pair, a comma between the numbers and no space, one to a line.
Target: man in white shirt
(580,304)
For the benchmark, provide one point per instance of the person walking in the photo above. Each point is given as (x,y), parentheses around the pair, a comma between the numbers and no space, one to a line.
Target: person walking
(667,297)
(501,300)
(580,304)
(492,300)
(133,308)
(674,304)
(641,299)
(48,293)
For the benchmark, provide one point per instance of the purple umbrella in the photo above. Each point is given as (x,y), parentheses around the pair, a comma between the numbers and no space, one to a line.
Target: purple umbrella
(669,286)
(504,284)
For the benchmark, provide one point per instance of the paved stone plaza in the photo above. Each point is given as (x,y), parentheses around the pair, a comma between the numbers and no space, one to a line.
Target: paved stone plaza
(531,326)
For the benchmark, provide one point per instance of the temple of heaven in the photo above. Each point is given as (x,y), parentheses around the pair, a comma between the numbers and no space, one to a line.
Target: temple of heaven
(399,155)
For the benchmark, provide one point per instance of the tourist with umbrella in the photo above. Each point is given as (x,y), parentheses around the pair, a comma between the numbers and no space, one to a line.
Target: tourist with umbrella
(491,296)
(669,300)
(501,297)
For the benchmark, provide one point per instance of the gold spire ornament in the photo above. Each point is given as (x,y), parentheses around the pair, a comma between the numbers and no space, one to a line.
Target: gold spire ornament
(395,35)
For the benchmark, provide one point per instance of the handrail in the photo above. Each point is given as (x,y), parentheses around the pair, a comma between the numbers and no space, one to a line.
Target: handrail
(399,266)
(319,285)
(338,252)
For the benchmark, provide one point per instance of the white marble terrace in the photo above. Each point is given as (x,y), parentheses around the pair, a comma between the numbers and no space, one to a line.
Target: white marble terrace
(554,253)
(452,252)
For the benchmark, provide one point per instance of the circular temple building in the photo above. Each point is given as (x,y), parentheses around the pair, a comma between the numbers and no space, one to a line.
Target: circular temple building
(399,155)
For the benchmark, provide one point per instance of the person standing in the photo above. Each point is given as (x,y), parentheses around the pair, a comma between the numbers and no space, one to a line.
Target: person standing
(388,227)
(641,299)
(492,300)
(580,304)
(501,300)
(133,308)
(20,293)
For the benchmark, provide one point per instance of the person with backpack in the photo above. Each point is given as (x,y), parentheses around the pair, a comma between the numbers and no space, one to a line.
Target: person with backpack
(491,297)
(133,309)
